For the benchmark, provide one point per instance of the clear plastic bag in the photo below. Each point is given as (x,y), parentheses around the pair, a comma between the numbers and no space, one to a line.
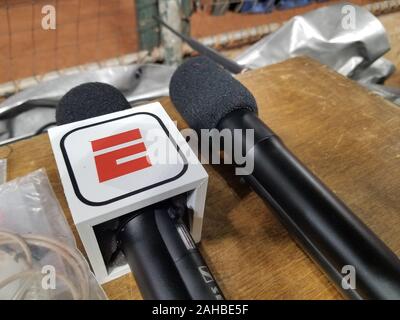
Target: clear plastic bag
(38,254)
(3,171)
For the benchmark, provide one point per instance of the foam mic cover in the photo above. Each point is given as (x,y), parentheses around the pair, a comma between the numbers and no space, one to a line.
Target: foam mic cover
(204,93)
(90,100)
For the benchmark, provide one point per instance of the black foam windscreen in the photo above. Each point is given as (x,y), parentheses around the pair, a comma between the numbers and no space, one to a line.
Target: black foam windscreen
(204,93)
(90,100)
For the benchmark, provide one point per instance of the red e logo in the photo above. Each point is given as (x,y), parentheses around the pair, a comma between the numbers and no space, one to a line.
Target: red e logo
(111,164)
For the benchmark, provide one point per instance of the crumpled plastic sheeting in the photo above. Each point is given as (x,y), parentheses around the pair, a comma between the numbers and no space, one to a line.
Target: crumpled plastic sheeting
(355,53)
(136,82)
(377,72)
(3,171)
(320,34)
(389,93)
(29,208)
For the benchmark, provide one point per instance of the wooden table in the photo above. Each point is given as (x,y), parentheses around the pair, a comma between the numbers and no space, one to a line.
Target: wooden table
(349,137)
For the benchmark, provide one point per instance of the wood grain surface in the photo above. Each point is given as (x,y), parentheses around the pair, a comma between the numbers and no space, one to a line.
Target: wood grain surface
(392,27)
(347,136)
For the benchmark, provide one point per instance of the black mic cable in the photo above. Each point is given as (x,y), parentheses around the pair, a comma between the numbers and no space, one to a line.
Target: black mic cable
(228,64)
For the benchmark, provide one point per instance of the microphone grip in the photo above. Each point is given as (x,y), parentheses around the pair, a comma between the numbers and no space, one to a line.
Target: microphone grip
(322,224)
(151,264)
(191,266)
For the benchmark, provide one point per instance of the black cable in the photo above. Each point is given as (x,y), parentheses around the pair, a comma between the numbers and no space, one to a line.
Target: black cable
(44,127)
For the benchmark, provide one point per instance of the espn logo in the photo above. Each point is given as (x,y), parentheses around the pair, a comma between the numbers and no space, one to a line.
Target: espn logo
(112,162)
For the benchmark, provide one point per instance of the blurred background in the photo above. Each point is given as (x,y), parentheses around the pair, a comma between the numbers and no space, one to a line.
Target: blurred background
(92,35)
(91,31)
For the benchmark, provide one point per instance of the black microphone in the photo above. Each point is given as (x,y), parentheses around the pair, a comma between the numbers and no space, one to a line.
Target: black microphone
(149,259)
(159,250)
(193,269)
(209,97)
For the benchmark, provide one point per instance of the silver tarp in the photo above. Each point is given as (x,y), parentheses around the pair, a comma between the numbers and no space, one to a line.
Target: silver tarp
(137,82)
(326,35)
(346,37)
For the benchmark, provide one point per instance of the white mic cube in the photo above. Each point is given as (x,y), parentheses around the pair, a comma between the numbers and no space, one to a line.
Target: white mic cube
(121,162)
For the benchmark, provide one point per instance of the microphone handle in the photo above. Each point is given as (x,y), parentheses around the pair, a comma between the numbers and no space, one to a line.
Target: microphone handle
(191,266)
(150,262)
(322,224)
